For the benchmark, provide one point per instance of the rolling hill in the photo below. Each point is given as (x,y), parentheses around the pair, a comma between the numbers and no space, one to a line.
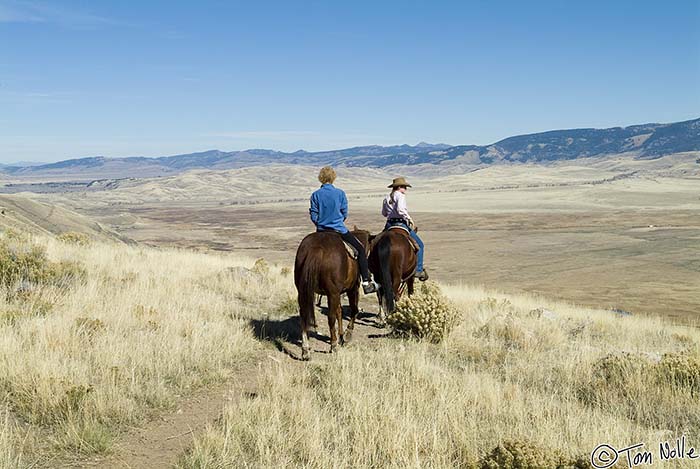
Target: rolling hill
(646,141)
(24,214)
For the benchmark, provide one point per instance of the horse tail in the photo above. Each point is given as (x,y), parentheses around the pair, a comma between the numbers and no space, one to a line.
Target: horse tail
(306,275)
(384,258)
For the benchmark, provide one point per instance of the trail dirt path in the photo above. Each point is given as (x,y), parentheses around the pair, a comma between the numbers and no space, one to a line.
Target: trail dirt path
(160,442)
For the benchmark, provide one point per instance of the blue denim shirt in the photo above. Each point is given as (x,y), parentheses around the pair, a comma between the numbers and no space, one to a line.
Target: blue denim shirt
(329,209)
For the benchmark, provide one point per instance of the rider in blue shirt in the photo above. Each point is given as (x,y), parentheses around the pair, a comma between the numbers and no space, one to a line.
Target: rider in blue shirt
(328,211)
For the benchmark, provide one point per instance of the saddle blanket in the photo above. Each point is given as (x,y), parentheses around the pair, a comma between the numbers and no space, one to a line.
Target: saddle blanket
(403,228)
(352,252)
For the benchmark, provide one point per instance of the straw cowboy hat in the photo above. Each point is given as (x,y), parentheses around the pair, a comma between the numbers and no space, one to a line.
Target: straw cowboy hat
(399,182)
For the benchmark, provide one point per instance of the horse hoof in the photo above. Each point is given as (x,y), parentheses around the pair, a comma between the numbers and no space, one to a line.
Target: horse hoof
(334,348)
(348,336)
(306,354)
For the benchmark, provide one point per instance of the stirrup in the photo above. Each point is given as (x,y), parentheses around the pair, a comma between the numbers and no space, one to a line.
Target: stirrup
(369,287)
(422,275)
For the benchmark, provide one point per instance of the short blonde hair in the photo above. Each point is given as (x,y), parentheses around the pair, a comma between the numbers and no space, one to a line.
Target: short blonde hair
(326,175)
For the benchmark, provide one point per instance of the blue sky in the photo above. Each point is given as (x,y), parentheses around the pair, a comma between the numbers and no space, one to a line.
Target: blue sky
(84,78)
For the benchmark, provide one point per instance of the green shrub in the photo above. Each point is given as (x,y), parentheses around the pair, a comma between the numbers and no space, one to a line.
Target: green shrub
(74,237)
(508,330)
(615,369)
(614,379)
(493,306)
(88,327)
(516,454)
(141,311)
(14,235)
(27,304)
(261,267)
(25,262)
(681,370)
(426,314)
(85,437)
(287,307)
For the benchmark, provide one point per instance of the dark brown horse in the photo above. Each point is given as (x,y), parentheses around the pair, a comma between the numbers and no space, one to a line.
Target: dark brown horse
(323,266)
(392,260)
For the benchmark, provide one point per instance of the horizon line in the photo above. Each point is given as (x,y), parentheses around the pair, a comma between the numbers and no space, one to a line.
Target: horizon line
(301,150)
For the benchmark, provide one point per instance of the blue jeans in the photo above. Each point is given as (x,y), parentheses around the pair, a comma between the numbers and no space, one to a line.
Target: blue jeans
(414,235)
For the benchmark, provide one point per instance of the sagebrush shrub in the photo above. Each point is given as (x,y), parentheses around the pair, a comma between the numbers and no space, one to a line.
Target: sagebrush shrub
(74,237)
(681,370)
(261,267)
(287,307)
(615,369)
(88,327)
(426,314)
(516,454)
(24,262)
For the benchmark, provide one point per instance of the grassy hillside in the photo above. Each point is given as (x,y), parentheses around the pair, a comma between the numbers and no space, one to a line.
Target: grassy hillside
(117,334)
(516,385)
(24,214)
(84,356)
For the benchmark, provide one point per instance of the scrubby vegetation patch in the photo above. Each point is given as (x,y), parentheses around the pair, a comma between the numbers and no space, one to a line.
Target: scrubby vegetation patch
(74,237)
(426,314)
(25,265)
(518,454)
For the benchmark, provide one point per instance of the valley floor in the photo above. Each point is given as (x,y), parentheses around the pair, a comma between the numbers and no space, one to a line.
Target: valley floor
(644,262)
(615,233)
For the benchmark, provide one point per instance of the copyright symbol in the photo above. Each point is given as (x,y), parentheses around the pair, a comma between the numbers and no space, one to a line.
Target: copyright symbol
(603,456)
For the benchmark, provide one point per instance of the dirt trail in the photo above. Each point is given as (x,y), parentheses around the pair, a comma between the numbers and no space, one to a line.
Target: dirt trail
(160,442)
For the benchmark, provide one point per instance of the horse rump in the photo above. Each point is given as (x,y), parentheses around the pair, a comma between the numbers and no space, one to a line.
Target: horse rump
(306,275)
(384,260)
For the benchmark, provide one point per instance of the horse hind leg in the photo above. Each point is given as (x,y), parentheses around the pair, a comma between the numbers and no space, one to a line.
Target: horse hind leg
(381,317)
(334,315)
(339,318)
(305,349)
(306,321)
(353,299)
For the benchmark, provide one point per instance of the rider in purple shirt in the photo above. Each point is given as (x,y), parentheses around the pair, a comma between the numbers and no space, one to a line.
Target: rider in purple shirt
(328,211)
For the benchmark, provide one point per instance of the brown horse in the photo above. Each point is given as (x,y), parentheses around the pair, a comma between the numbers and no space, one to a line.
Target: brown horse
(323,266)
(392,260)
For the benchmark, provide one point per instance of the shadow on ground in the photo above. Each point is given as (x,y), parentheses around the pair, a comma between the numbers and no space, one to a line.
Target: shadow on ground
(285,333)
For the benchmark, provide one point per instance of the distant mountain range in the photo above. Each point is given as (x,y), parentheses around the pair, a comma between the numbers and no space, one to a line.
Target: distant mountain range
(646,141)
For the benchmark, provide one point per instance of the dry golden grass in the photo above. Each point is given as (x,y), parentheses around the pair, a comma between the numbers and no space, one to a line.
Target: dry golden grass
(10,457)
(81,360)
(550,383)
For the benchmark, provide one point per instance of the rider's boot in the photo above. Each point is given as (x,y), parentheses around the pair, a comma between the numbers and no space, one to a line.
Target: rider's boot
(422,275)
(369,286)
